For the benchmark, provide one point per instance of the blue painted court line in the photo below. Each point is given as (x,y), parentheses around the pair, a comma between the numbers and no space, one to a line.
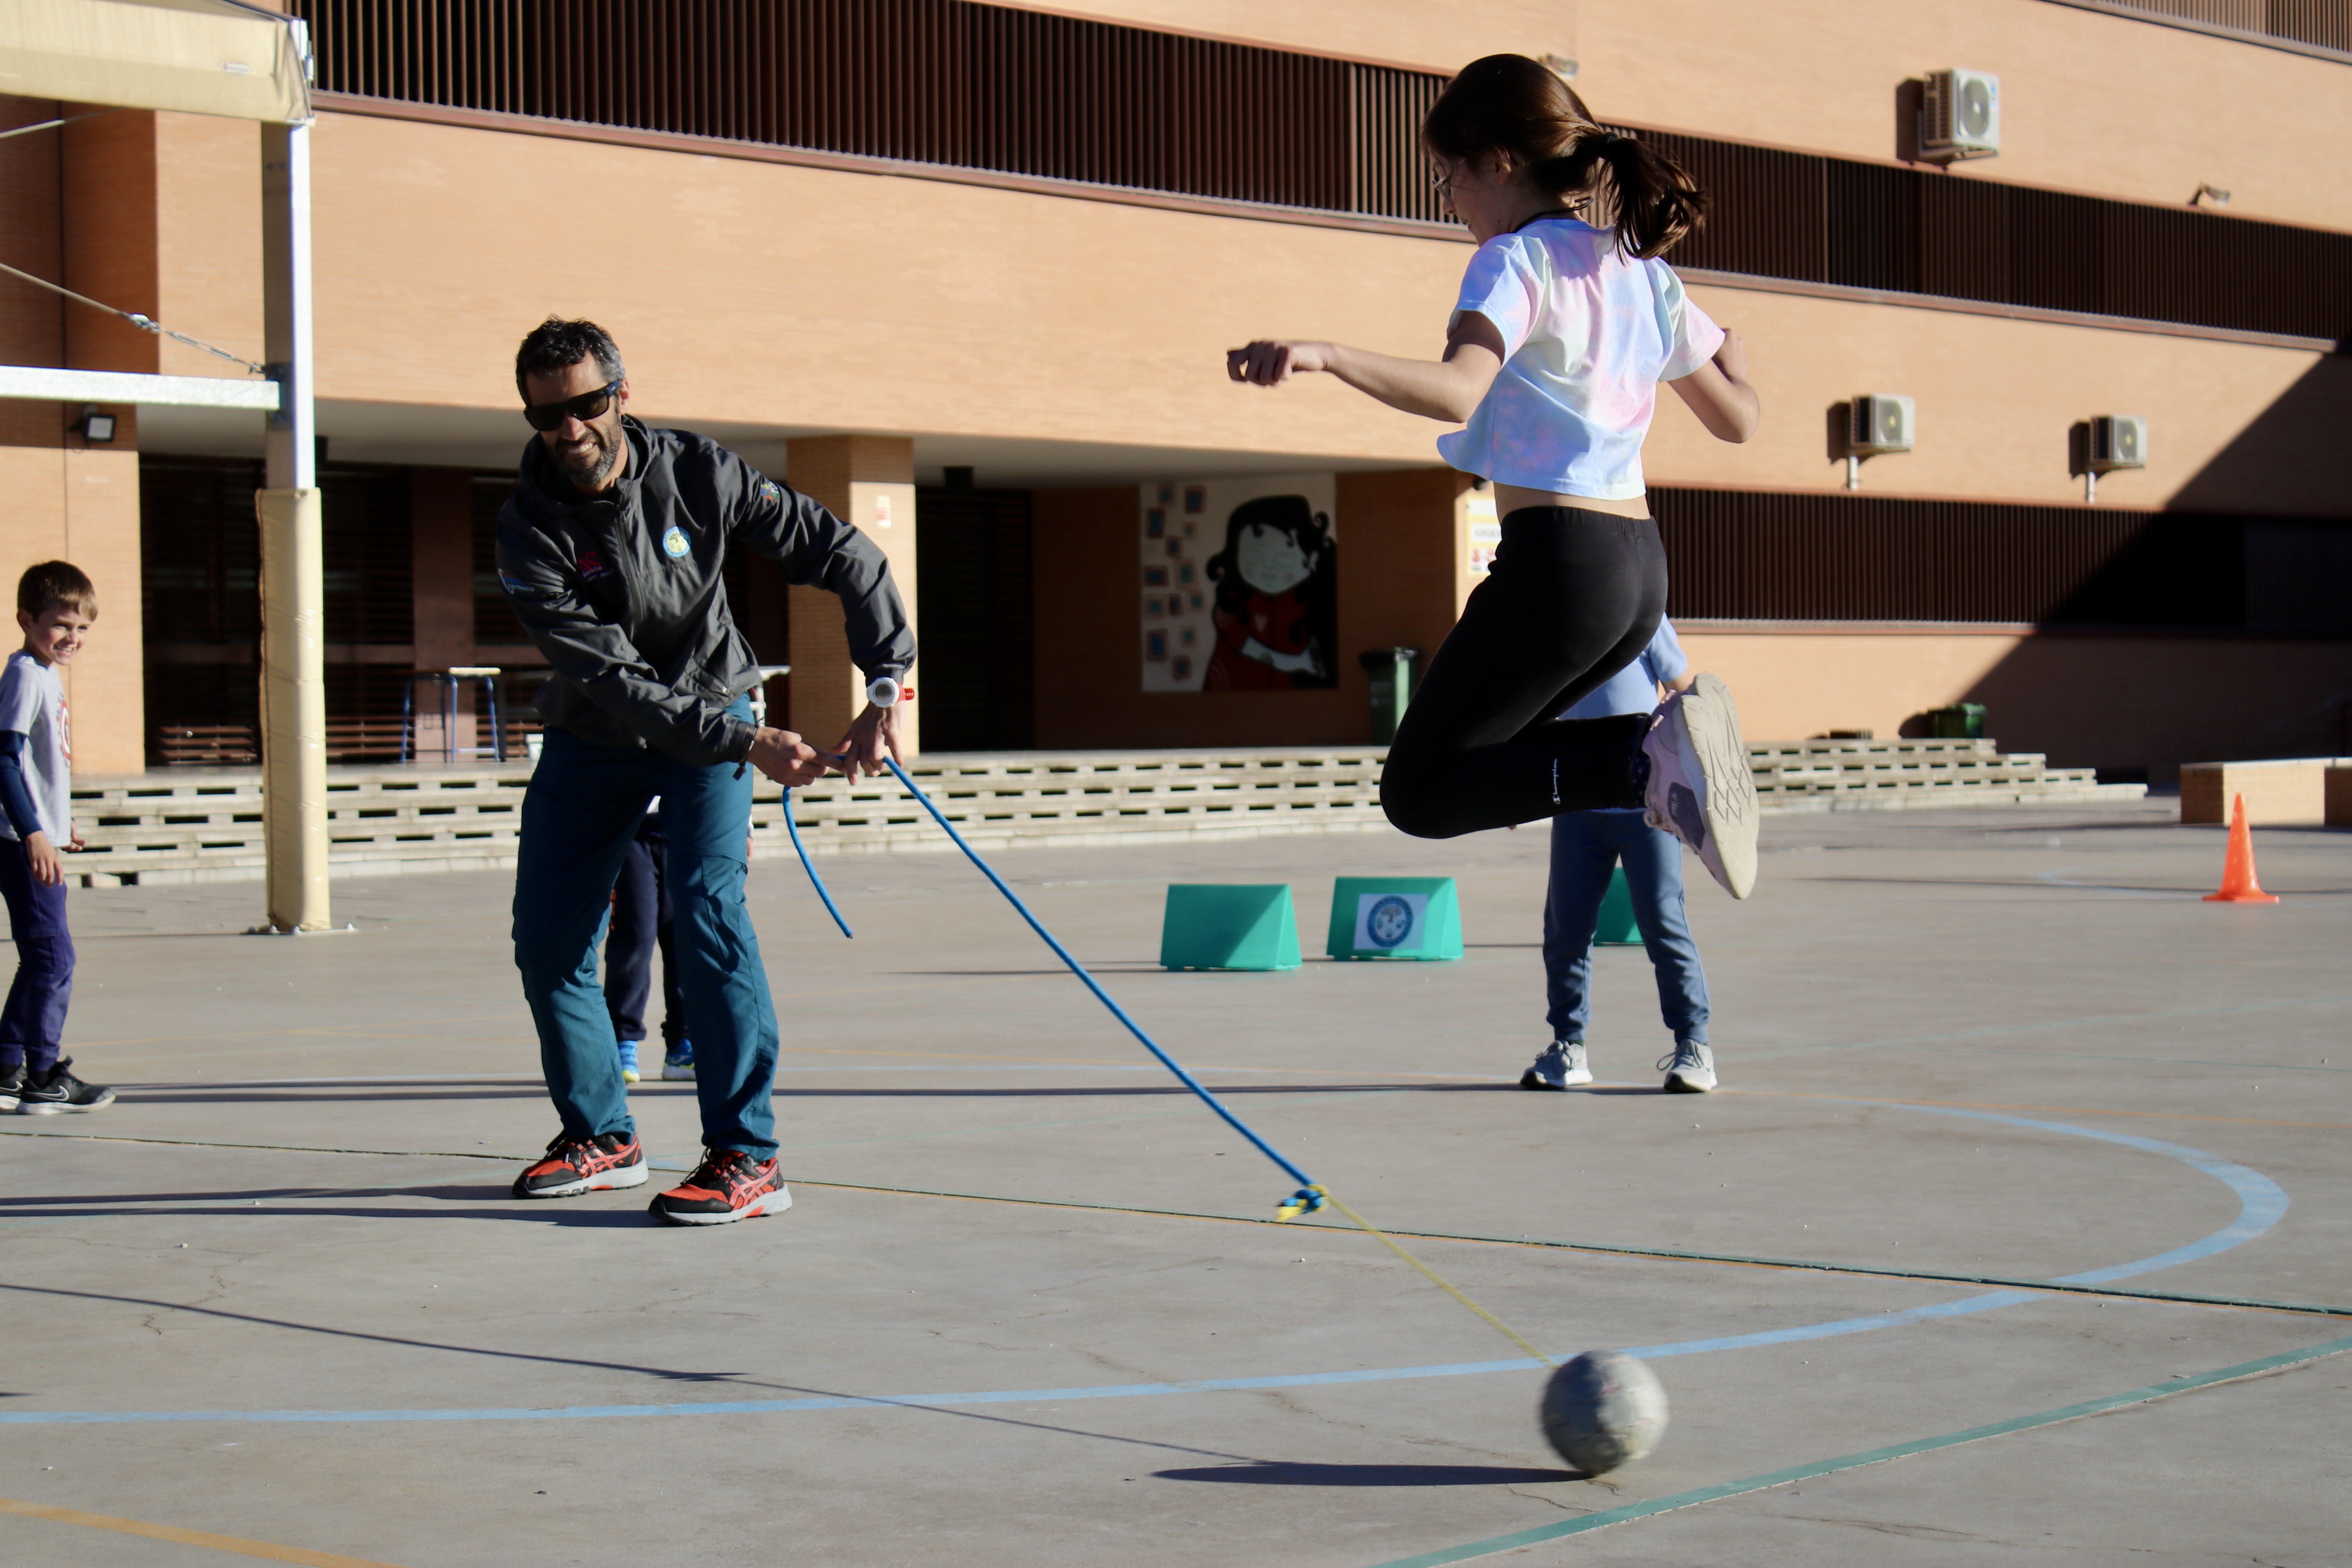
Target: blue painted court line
(2262,1205)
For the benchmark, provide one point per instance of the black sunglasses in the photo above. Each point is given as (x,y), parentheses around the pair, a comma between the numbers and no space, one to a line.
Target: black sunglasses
(586,407)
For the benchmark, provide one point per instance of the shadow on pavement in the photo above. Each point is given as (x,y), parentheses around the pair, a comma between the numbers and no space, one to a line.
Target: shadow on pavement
(1276,1473)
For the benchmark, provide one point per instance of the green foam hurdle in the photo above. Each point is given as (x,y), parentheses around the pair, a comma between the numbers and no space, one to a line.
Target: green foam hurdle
(1618,928)
(1394,917)
(1216,926)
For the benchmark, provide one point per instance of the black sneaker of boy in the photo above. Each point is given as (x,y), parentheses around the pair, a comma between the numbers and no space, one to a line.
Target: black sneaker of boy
(47,1093)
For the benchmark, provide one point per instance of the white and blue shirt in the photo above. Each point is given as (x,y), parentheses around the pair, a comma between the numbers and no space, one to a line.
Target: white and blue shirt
(33,703)
(1588,334)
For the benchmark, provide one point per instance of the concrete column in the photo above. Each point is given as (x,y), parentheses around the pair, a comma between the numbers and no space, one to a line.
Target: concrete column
(293,580)
(99,230)
(1404,552)
(869,482)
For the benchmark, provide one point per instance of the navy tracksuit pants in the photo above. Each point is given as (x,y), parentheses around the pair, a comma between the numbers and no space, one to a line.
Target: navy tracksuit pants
(36,1014)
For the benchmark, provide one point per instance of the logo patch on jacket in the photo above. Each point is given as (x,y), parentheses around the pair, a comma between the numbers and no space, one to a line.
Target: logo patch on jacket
(592,566)
(674,542)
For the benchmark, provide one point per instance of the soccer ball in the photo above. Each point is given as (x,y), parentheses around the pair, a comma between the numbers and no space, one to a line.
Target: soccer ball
(1604,1410)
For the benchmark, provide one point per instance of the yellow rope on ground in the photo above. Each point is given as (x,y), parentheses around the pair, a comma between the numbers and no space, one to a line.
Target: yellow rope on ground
(1439,1281)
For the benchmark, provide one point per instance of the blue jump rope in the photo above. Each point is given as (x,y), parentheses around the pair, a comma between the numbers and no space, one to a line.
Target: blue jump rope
(1312,1195)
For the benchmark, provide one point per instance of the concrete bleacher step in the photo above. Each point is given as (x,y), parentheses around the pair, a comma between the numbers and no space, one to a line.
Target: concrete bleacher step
(185,824)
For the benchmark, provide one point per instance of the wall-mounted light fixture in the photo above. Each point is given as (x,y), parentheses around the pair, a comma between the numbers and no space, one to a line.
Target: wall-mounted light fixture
(95,426)
(2210,196)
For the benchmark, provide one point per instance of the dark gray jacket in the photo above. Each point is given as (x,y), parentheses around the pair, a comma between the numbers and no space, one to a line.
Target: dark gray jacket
(623,591)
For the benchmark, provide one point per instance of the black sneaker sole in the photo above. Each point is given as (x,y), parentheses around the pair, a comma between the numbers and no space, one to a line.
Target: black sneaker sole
(765,1204)
(614,1180)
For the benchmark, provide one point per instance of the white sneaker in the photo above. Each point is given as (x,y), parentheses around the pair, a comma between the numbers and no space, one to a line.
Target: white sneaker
(1700,788)
(1561,1064)
(1689,1067)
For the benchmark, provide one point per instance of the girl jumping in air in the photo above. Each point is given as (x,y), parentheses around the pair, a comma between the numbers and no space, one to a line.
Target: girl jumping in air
(1567,321)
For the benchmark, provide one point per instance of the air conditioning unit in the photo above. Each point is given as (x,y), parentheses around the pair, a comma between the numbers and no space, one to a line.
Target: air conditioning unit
(1881,422)
(1959,116)
(2118,441)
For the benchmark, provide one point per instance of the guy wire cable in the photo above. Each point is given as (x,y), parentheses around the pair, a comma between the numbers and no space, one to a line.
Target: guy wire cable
(144,324)
(1312,1195)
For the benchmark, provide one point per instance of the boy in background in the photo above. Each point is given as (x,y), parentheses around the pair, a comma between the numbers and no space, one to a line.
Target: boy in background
(642,921)
(55,605)
(1586,846)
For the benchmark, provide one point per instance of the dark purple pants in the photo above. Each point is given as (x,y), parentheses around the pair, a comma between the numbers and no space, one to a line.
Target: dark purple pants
(36,1014)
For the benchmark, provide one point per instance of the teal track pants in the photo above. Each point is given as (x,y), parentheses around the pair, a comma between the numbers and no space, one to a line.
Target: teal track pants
(578,817)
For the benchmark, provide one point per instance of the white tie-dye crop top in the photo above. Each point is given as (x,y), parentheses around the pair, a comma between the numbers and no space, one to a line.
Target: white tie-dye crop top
(1589,332)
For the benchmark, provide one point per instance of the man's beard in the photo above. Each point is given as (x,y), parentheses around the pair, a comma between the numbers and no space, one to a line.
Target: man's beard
(591,467)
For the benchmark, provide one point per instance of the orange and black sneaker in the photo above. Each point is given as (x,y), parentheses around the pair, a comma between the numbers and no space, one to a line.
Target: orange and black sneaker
(729,1186)
(576,1165)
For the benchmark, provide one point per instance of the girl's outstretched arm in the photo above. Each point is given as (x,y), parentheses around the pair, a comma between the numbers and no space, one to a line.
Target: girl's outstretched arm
(1718,393)
(1448,389)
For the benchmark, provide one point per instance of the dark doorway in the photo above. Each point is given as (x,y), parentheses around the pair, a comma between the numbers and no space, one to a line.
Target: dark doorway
(974,677)
(201,602)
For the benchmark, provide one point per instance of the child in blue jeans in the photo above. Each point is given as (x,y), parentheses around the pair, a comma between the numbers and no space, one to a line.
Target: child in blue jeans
(1586,846)
(642,922)
(55,605)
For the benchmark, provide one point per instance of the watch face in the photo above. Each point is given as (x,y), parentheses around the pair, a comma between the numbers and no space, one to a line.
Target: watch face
(1390,922)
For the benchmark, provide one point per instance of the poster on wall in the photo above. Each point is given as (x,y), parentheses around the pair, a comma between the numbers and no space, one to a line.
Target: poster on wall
(1485,530)
(1240,584)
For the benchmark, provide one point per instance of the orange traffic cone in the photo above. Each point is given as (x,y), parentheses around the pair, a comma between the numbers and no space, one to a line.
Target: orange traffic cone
(2238,884)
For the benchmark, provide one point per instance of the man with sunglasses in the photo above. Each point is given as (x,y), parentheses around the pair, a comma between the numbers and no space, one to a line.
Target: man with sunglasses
(611,551)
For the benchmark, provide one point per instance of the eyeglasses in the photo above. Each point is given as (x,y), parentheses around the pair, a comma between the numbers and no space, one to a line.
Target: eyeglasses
(1442,184)
(586,407)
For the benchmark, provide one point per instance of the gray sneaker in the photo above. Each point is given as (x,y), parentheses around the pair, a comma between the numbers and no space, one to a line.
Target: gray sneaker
(1689,1067)
(1561,1064)
(1700,788)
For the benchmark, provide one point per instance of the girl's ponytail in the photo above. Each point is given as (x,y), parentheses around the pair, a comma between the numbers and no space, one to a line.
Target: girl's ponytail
(1656,204)
(1509,104)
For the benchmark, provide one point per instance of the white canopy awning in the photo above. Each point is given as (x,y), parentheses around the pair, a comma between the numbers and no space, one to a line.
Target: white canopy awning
(41,385)
(202,56)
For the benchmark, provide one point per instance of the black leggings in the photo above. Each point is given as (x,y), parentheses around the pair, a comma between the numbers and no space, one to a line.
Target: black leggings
(1573,597)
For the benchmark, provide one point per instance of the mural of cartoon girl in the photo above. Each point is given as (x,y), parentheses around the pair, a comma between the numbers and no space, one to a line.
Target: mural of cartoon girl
(1277,613)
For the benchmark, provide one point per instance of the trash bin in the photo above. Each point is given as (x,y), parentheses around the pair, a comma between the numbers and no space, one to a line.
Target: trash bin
(1391,670)
(1960,721)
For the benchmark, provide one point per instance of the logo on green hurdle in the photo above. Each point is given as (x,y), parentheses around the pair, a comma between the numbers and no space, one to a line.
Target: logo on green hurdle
(1395,917)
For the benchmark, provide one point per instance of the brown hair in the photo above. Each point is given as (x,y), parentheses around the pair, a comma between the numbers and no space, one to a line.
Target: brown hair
(44,587)
(1509,104)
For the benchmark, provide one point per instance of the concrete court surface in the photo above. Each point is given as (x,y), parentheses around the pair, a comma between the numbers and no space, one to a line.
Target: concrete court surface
(284,1297)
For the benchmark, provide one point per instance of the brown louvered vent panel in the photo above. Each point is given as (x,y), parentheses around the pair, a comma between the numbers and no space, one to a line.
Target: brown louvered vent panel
(1742,555)
(368,560)
(2325,23)
(964,85)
